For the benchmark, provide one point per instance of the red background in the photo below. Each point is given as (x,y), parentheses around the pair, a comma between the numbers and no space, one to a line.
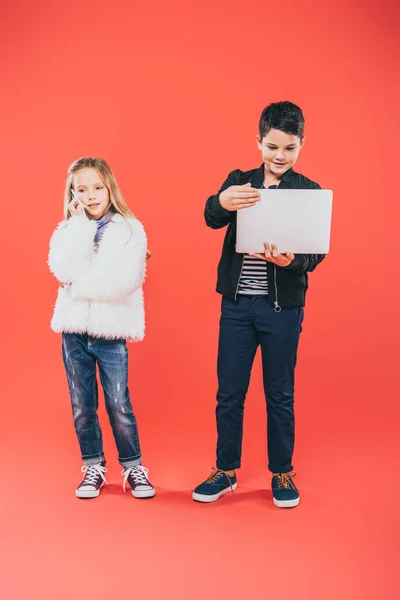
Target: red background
(170,95)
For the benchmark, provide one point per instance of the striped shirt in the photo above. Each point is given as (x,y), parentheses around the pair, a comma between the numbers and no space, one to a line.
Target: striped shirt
(253,279)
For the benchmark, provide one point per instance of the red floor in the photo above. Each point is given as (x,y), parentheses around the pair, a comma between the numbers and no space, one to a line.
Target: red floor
(341,543)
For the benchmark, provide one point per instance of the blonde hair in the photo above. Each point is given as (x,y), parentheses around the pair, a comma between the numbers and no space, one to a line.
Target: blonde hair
(117,201)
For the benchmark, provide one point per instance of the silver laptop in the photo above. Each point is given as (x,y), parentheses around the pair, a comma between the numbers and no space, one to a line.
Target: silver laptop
(297,221)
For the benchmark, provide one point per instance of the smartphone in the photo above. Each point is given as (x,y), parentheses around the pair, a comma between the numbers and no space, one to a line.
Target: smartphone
(79,201)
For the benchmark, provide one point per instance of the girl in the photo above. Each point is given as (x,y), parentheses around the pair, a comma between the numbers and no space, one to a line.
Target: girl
(98,254)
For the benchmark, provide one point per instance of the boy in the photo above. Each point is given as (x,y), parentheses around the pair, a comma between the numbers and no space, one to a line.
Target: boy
(262,304)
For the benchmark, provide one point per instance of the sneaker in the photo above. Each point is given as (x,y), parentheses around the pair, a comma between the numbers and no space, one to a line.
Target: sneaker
(285,493)
(215,486)
(92,482)
(137,479)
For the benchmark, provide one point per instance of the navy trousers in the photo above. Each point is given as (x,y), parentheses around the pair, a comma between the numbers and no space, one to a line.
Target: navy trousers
(246,323)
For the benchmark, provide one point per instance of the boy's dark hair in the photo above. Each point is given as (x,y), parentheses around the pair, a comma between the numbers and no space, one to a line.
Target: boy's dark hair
(285,116)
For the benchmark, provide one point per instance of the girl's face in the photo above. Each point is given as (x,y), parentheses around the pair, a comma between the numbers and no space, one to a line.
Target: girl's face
(92,192)
(279,150)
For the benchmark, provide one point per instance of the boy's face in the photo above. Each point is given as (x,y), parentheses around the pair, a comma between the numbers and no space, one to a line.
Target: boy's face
(279,151)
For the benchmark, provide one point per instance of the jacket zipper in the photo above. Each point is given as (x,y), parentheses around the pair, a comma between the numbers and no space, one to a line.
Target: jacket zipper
(277,308)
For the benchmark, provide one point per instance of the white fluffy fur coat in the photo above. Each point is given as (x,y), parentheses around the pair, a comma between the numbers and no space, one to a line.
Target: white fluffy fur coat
(103,296)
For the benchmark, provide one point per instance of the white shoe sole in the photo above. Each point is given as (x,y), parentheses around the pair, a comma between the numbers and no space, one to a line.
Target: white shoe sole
(88,493)
(144,493)
(214,497)
(287,503)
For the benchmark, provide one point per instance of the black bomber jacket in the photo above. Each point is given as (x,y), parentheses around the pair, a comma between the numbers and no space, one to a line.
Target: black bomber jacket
(287,286)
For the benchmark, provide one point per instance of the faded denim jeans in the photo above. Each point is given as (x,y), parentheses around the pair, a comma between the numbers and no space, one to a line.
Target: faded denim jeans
(81,354)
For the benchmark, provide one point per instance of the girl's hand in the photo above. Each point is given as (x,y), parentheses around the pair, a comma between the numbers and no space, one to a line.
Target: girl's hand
(272,255)
(75,207)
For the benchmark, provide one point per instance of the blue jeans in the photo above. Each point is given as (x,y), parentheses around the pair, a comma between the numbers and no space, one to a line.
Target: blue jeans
(81,353)
(246,323)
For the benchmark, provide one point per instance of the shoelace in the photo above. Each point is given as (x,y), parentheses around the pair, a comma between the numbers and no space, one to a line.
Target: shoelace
(138,473)
(92,472)
(216,474)
(284,480)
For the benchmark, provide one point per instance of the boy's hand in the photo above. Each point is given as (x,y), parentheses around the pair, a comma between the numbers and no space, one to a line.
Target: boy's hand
(272,255)
(237,197)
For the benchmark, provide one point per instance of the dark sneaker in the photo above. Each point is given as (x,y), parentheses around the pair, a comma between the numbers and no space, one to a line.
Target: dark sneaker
(137,479)
(92,482)
(285,493)
(215,486)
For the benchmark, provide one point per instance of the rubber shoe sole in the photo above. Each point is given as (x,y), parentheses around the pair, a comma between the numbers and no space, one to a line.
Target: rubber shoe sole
(214,497)
(144,493)
(287,503)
